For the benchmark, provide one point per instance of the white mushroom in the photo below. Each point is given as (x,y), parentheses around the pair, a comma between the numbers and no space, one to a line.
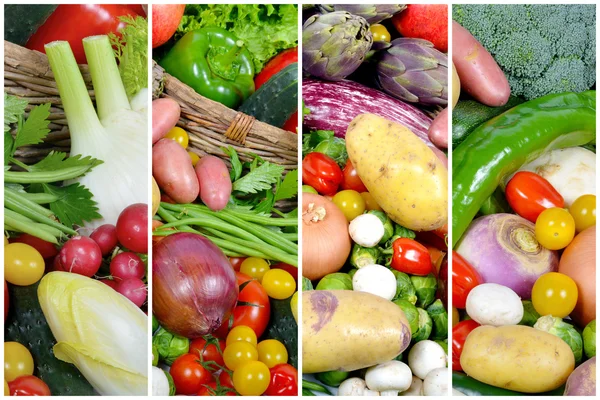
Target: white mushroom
(389,378)
(355,387)
(415,389)
(160,383)
(436,383)
(493,304)
(426,356)
(375,279)
(366,230)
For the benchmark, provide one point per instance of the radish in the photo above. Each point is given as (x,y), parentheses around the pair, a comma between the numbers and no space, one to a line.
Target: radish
(80,255)
(127,265)
(106,237)
(134,289)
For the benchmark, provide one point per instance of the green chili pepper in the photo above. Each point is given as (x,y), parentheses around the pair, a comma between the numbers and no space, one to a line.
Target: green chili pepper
(504,143)
(214,63)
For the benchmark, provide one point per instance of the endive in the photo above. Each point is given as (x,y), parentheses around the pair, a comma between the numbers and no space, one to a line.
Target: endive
(99,331)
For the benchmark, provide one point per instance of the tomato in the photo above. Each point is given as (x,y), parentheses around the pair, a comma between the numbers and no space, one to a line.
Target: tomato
(276,64)
(6,388)
(212,389)
(46,249)
(322,173)
(350,203)
(294,306)
(464,279)
(351,179)
(293,271)
(194,158)
(370,203)
(225,379)
(28,385)
(272,352)
(251,378)
(460,332)
(179,135)
(554,294)
(210,356)
(17,361)
(528,194)
(239,353)
(291,125)
(284,381)
(188,374)
(442,281)
(236,262)
(241,333)
(380,33)
(254,308)
(254,267)
(279,284)
(411,257)
(583,211)
(455,316)
(23,265)
(132,228)
(555,228)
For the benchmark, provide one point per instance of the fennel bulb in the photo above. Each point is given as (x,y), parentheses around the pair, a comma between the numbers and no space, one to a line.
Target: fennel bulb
(117,135)
(98,330)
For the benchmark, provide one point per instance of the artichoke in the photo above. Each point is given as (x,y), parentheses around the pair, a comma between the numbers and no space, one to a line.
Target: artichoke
(413,71)
(373,13)
(335,44)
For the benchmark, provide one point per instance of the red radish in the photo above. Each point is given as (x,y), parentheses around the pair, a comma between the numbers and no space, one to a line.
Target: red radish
(424,21)
(106,237)
(110,283)
(132,228)
(165,19)
(134,289)
(46,249)
(80,255)
(127,265)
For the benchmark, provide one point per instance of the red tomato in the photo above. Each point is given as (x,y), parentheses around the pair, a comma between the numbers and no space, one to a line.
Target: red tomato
(529,194)
(322,173)
(210,356)
(276,64)
(188,374)
(211,389)
(411,257)
(288,268)
(291,125)
(254,308)
(442,278)
(351,179)
(464,279)
(236,262)
(459,335)
(46,249)
(284,381)
(28,385)
(225,380)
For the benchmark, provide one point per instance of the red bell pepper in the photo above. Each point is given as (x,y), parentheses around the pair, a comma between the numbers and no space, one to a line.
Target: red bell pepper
(276,64)
(411,257)
(284,381)
(464,279)
(322,173)
(291,124)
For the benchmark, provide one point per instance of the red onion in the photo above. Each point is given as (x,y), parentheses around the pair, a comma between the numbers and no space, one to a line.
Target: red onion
(194,288)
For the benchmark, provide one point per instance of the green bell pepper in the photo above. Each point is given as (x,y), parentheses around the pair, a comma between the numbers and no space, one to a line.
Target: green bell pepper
(214,63)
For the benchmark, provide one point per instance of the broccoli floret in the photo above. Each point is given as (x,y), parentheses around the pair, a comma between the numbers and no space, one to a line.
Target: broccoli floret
(541,48)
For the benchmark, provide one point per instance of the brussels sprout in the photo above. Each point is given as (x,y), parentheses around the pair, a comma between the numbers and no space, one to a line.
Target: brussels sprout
(557,327)
(589,339)
(402,232)
(335,281)
(335,148)
(332,378)
(362,256)
(155,356)
(425,326)
(352,272)
(172,388)
(530,316)
(404,287)
(411,313)
(425,286)
(439,316)
(306,284)
(388,226)
(170,346)
(155,324)
(444,344)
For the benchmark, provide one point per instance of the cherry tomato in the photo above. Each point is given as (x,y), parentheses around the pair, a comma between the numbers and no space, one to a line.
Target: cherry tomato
(554,294)
(28,385)
(380,33)
(350,203)
(212,389)
(17,361)
(351,179)
(236,262)
(464,279)
(272,352)
(459,334)
(239,353)
(241,333)
(583,211)
(210,356)
(411,257)
(255,308)
(251,378)
(370,203)
(529,194)
(294,306)
(188,374)
(555,228)
(254,267)
(279,284)
(194,157)
(6,388)
(293,271)
(179,135)
(46,249)
(132,228)
(284,381)
(23,265)
(225,380)
(322,173)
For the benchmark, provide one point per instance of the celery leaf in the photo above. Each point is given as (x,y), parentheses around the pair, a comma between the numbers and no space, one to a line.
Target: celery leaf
(260,178)
(56,160)
(14,108)
(288,187)
(35,127)
(131,49)
(74,205)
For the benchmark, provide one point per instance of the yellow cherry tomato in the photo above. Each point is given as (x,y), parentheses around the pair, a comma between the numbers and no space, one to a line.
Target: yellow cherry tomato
(241,333)
(370,203)
(294,306)
(5,240)
(583,211)
(380,33)
(555,228)
(23,265)
(350,202)
(194,157)
(179,135)
(554,294)
(17,361)
(455,316)
(251,378)
(272,352)
(6,389)
(254,267)
(238,353)
(279,284)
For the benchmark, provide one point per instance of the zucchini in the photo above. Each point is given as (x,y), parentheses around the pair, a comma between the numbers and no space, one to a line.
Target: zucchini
(283,327)
(469,114)
(276,100)
(27,325)
(21,21)
(472,387)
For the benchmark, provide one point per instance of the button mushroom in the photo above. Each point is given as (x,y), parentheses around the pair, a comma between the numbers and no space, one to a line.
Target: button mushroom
(355,387)
(426,356)
(436,383)
(389,378)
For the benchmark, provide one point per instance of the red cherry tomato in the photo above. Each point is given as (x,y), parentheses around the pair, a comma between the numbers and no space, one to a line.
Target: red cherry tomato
(211,389)
(529,194)
(209,355)
(293,271)
(411,257)
(322,173)
(189,375)
(351,179)
(46,249)
(284,381)
(459,335)
(28,385)
(464,279)
(442,277)
(236,262)
(225,380)
(291,125)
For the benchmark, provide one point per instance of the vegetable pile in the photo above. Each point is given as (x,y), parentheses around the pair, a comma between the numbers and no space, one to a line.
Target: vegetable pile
(524,203)
(76,237)
(225,231)
(374,202)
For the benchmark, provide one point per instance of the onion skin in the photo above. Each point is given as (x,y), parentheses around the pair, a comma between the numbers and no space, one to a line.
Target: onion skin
(194,288)
(502,248)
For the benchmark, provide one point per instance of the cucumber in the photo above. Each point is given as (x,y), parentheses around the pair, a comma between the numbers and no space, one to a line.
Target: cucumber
(472,387)
(21,21)
(283,327)
(27,325)
(469,114)
(275,101)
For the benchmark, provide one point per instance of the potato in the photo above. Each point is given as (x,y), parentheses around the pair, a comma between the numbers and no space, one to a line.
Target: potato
(455,86)
(518,358)
(165,115)
(215,183)
(173,171)
(346,330)
(404,176)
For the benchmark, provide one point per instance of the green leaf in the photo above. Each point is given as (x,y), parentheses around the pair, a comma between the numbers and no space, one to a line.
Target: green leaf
(74,205)
(266,205)
(131,50)
(259,178)
(8,147)
(236,165)
(35,128)
(56,160)
(14,108)
(289,187)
